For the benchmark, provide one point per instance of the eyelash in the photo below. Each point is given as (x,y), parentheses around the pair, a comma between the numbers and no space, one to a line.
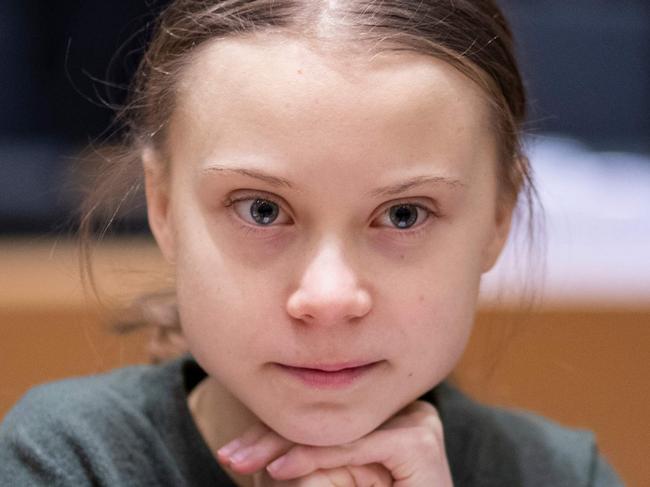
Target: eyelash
(252,229)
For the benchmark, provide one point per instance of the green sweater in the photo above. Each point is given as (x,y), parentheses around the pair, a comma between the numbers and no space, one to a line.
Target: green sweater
(132,427)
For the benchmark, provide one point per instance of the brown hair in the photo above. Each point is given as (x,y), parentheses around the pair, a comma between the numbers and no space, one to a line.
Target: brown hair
(472,35)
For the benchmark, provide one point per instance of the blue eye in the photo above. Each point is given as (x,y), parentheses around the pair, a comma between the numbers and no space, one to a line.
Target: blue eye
(263,211)
(408,219)
(260,211)
(403,216)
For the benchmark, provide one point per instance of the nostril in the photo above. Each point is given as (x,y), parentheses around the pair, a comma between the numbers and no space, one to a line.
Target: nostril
(327,306)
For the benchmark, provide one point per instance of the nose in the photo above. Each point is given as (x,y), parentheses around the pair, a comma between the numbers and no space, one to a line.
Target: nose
(329,291)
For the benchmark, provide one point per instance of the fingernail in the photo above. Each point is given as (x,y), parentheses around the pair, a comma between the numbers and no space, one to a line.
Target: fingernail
(241,455)
(276,465)
(228,448)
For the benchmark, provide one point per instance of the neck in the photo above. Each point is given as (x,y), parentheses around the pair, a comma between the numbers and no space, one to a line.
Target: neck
(220,418)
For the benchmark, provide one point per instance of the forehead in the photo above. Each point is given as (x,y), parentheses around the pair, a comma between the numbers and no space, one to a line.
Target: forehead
(275,90)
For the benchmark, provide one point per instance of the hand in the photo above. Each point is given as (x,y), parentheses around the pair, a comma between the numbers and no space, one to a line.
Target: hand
(259,445)
(365,476)
(405,451)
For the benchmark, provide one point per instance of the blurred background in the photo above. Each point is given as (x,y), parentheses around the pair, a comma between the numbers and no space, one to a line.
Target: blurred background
(587,63)
(580,356)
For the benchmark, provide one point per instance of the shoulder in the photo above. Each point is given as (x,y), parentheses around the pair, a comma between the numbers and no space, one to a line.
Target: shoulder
(79,400)
(75,428)
(516,447)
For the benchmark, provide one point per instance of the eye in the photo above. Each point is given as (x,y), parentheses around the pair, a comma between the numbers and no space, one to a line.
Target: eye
(263,212)
(260,211)
(404,216)
(257,210)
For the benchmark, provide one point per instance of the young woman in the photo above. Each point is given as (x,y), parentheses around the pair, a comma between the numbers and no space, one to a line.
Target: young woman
(329,180)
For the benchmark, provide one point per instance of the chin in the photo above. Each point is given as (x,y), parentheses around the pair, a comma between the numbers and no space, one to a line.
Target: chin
(324,432)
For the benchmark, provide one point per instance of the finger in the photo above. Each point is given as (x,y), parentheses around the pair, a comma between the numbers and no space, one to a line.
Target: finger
(365,476)
(257,455)
(401,452)
(303,460)
(339,477)
(249,437)
(374,475)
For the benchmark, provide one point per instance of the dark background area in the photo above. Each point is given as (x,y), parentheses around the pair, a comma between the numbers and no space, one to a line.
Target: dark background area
(586,62)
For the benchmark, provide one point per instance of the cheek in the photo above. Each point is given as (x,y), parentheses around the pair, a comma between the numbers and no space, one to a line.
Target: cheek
(223,307)
(227,304)
(438,321)
(433,317)
(432,346)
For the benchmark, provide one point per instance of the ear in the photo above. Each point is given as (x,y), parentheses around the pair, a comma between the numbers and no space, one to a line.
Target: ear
(157,193)
(499,237)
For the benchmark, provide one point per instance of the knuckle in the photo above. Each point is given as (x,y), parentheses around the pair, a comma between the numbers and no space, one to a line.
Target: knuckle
(427,415)
(425,409)
(426,439)
(373,475)
(434,424)
(326,478)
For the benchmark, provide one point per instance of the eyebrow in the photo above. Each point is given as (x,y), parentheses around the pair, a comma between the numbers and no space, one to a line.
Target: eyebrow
(393,189)
(251,173)
(389,190)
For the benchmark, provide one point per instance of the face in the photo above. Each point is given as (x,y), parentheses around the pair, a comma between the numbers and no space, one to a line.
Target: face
(329,218)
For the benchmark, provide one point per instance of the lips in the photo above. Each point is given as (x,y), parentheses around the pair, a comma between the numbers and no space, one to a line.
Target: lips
(332,367)
(335,375)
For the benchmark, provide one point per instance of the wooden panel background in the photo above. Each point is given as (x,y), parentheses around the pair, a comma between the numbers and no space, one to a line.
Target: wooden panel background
(583,366)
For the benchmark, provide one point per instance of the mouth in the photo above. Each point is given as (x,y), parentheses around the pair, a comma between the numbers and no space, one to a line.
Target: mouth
(329,376)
